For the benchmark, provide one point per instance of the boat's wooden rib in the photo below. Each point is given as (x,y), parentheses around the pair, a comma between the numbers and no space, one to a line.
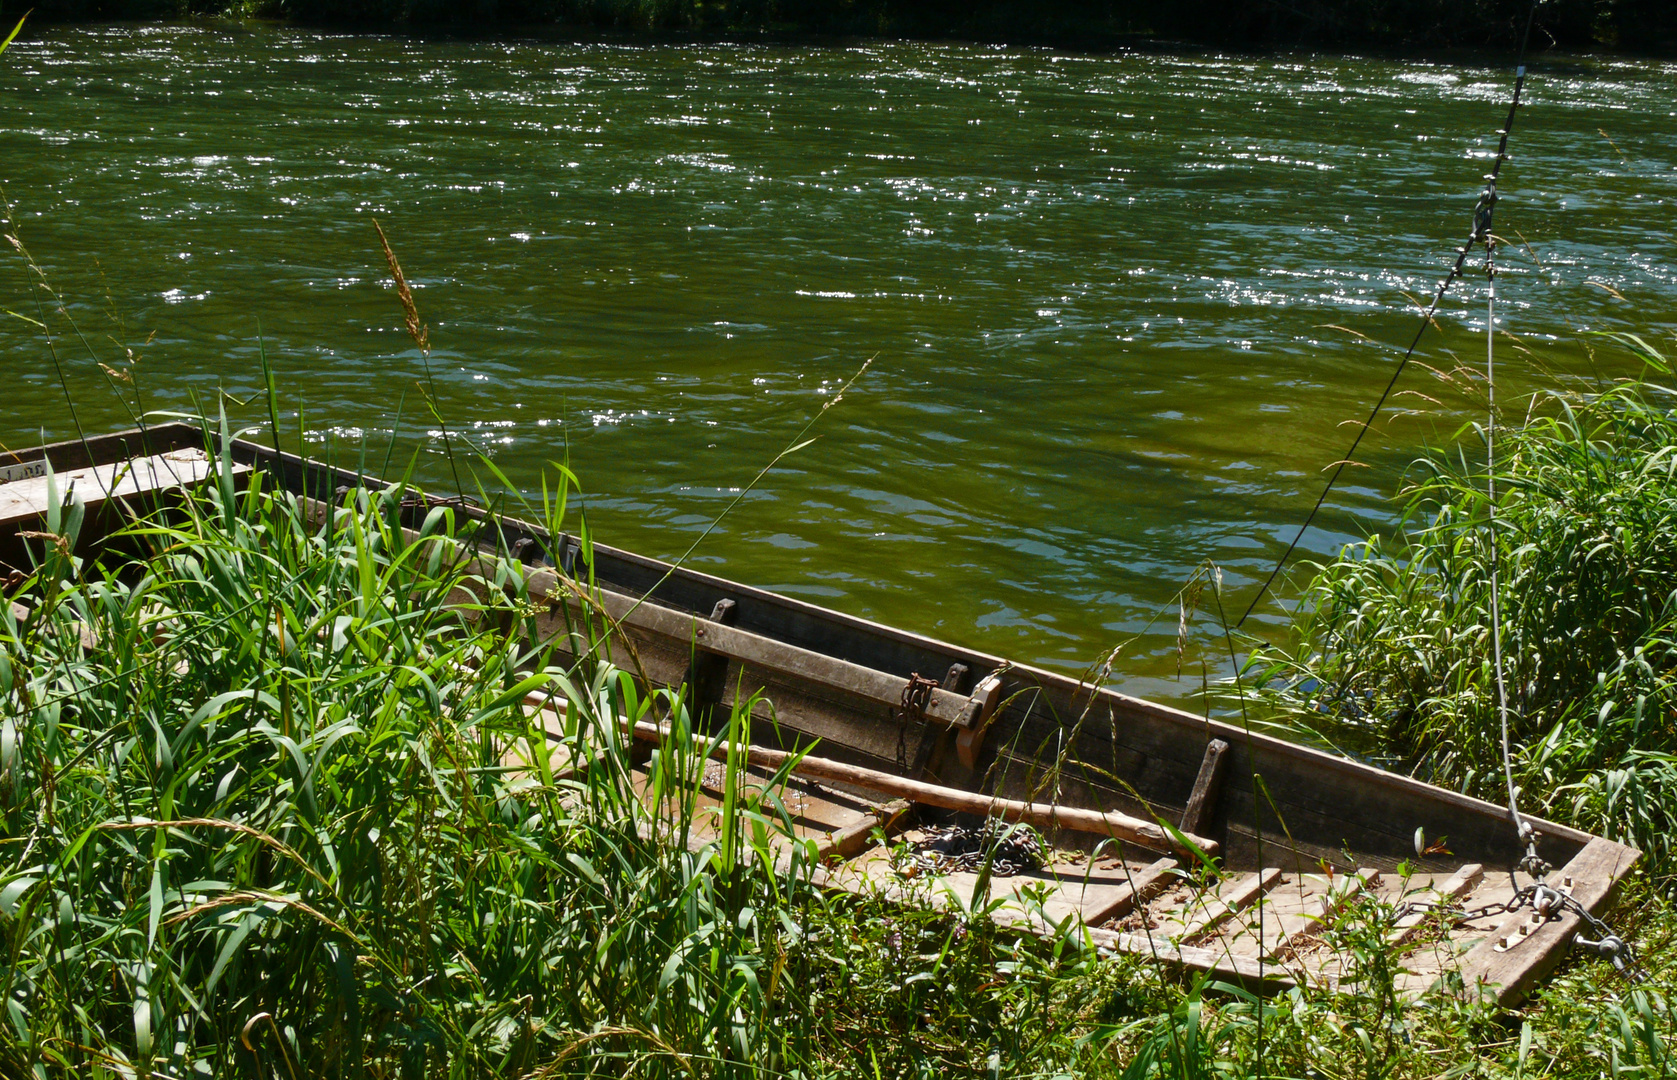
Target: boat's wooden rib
(1209,913)
(1449,892)
(1137,888)
(848,842)
(1240,970)
(1300,930)
(1294,847)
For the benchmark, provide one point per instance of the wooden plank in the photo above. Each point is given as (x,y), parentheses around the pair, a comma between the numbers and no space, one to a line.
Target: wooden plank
(79,453)
(1137,888)
(1508,963)
(1298,930)
(1236,897)
(744,647)
(1246,971)
(1208,787)
(26,499)
(1454,888)
(853,838)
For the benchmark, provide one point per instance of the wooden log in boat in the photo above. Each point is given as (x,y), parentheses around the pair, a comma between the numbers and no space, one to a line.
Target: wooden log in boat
(1110,823)
(1295,829)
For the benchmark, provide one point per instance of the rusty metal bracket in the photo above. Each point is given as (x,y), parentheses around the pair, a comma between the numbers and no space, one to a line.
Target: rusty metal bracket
(975,717)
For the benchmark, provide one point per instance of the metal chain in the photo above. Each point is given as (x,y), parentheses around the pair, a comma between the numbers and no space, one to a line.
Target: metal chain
(1552,904)
(1547,902)
(917,694)
(947,849)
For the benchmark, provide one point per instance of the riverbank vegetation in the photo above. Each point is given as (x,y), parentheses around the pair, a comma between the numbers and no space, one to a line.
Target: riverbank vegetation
(276,804)
(1394,652)
(1642,26)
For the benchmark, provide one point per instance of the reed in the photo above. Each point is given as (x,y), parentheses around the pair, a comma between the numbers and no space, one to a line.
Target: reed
(259,814)
(1394,652)
(274,803)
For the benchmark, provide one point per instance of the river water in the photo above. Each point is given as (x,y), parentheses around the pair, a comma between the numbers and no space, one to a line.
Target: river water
(1119,308)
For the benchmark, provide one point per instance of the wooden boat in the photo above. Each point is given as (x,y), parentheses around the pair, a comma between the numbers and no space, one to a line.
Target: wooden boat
(910,731)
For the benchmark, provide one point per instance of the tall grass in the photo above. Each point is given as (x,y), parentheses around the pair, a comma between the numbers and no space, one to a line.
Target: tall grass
(259,816)
(273,803)
(1396,640)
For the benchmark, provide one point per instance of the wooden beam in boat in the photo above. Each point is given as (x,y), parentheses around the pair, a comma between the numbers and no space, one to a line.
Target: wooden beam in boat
(1302,928)
(28,497)
(1235,898)
(851,840)
(1454,888)
(1521,951)
(707,674)
(1242,970)
(690,632)
(1132,830)
(1138,888)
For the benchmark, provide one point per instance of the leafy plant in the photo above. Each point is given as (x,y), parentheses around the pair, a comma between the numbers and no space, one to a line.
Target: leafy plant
(1395,646)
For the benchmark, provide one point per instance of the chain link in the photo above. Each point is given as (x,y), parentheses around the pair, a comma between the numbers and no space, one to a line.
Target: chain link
(917,694)
(947,849)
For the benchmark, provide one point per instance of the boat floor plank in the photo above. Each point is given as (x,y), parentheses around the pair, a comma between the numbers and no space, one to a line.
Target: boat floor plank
(1208,912)
(1452,891)
(1068,887)
(27,499)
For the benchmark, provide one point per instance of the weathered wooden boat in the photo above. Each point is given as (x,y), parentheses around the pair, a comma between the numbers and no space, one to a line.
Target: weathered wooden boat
(911,732)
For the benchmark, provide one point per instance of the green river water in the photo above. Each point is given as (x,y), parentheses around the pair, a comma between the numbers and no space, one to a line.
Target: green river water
(1120,308)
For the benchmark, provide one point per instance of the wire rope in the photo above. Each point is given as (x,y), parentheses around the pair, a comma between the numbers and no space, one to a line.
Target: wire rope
(1520,825)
